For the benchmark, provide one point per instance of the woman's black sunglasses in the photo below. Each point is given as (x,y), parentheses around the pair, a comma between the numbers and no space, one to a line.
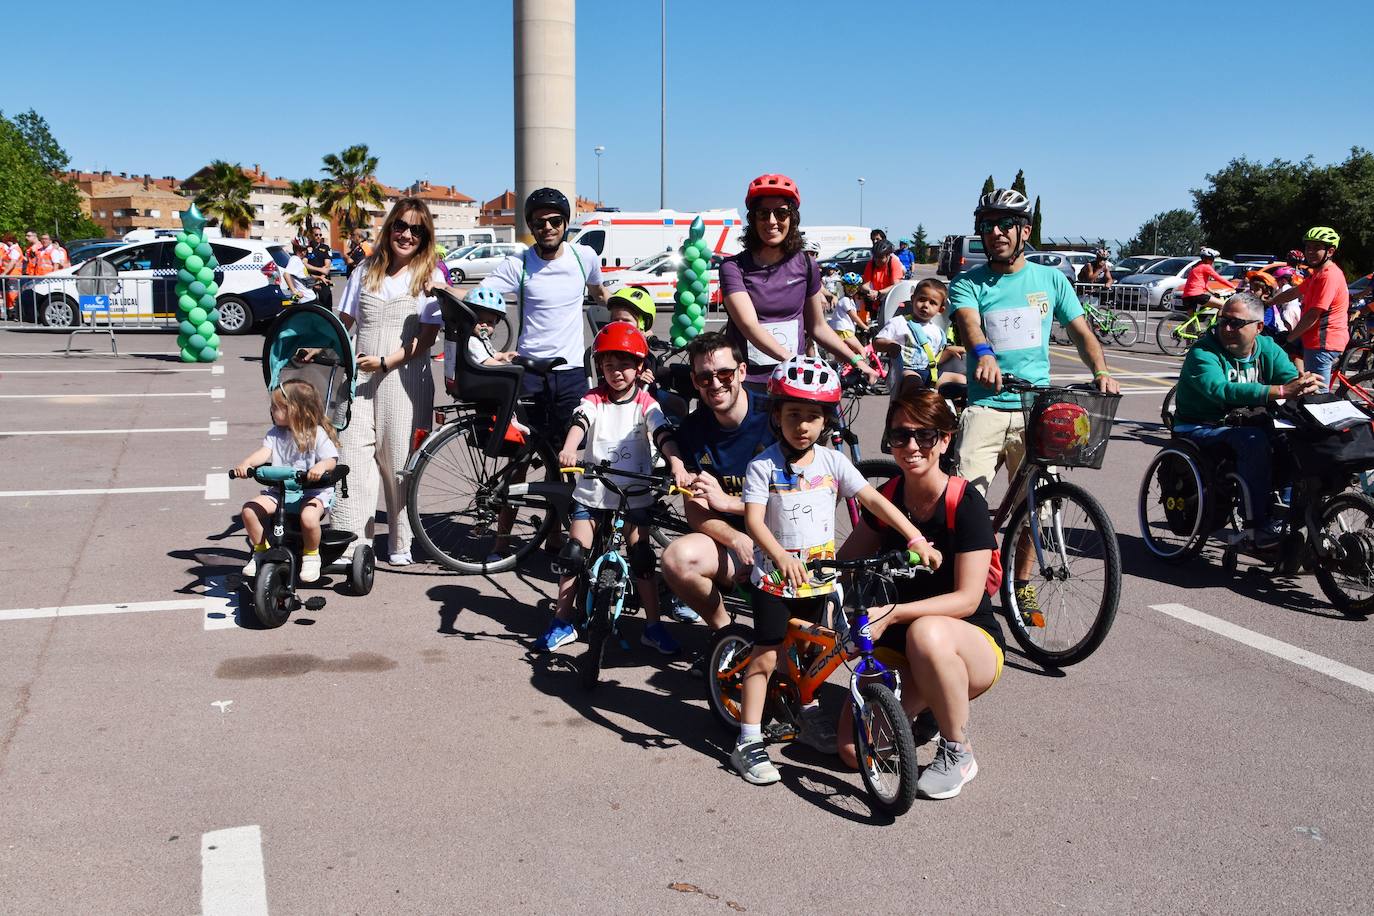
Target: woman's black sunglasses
(898,437)
(416,230)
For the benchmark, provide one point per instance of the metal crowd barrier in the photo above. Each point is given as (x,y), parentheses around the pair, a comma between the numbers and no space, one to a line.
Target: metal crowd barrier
(93,303)
(1120,297)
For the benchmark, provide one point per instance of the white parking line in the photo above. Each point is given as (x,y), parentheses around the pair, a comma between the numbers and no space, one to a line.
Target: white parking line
(1110,355)
(214,393)
(209,369)
(109,491)
(1319,663)
(213,429)
(88,610)
(232,882)
(217,485)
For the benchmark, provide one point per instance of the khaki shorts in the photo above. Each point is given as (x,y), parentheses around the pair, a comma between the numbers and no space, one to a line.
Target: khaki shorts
(989,438)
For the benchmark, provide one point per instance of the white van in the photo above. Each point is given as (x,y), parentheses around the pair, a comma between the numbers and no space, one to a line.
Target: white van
(833,239)
(623,239)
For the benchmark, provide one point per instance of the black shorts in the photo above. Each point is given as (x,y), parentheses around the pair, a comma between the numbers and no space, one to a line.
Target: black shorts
(552,410)
(772,613)
(1193,303)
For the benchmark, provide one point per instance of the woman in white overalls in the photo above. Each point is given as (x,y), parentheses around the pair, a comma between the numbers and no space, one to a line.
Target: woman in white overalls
(387,300)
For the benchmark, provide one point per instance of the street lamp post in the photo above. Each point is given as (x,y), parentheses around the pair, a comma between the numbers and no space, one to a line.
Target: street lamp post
(598,150)
(663,105)
(861,201)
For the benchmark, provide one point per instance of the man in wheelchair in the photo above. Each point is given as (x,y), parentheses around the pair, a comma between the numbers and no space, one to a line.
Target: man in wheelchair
(1234,366)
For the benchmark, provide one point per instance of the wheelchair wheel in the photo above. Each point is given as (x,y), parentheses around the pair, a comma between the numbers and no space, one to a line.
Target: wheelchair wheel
(1171,506)
(272,595)
(1168,409)
(362,569)
(1345,552)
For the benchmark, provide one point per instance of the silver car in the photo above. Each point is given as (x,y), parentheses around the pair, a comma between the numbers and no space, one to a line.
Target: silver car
(480,260)
(1163,279)
(1069,263)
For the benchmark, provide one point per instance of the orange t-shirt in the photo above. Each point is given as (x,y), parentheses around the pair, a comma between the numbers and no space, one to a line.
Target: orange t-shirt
(1325,291)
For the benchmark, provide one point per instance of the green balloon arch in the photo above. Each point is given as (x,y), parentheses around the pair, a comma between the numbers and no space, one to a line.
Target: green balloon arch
(197,311)
(692,295)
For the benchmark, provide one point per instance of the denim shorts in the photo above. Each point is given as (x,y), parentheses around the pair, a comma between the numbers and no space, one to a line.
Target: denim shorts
(581,513)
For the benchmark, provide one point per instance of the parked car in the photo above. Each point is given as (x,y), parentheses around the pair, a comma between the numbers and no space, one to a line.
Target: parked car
(89,250)
(657,276)
(1066,262)
(848,259)
(337,265)
(479,261)
(1236,272)
(1134,264)
(1164,278)
(140,280)
(959,253)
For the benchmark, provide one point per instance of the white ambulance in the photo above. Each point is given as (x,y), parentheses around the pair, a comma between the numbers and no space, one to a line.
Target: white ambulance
(623,239)
(833,239)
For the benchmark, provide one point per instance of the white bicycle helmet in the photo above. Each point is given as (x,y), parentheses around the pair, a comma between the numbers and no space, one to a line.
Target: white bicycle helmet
(1003,200)
(811,246)
(805,378)
(1205,252)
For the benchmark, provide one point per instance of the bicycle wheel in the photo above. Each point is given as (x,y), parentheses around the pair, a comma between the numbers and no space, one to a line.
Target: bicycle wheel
(1079,585)
(1345,552)
(1125,328)
(668,520)
(877,471)
(726,658)
(598,625)
(1357,358)
(1170,507)
(1358,388)
(456,499)
(1175,333)
(886,749)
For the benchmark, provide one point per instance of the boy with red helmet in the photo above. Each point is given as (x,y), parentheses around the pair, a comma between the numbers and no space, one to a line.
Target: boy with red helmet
(790,493)
(619,423)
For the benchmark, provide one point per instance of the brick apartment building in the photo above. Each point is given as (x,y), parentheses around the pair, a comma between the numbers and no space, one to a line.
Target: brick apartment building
(119,202)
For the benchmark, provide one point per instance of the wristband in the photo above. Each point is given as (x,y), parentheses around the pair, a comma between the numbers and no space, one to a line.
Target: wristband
(984,349)
(855,359)
(917,541)
(1101,372)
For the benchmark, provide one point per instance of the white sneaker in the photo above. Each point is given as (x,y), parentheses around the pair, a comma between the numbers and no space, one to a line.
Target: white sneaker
(402,559)
(751,761)
(310,568)
(250,569)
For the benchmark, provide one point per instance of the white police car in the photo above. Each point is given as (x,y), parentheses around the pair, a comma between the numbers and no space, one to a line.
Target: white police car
(136,283)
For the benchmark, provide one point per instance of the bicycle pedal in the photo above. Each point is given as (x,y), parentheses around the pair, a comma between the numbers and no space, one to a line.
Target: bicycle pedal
(1034,619)
(777,731)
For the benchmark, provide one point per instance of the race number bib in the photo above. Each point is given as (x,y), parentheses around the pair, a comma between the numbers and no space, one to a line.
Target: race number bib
(1013,329)
(784,332)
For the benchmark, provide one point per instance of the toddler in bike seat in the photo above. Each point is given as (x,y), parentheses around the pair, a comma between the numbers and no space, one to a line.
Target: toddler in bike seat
(303,438)
(790,493)
(918,345)
(488,307)
(619,423)
(842,313)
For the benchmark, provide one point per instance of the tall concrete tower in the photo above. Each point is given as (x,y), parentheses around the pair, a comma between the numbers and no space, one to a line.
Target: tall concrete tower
(545,101)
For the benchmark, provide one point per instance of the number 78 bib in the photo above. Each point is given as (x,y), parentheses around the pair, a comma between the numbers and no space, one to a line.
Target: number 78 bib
(1013,329)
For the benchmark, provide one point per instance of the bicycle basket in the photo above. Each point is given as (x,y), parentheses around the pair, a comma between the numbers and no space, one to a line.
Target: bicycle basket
(1068,427)
(1319,449)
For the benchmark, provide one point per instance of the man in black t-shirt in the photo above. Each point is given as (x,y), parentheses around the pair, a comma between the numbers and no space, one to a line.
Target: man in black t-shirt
(717,440)
(318,259)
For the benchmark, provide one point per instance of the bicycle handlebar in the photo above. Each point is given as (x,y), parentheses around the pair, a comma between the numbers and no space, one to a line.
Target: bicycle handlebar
(894,561)
(649,482)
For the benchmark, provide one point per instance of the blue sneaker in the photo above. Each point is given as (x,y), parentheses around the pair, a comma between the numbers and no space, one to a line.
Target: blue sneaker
(656,636)
(681,612)
(559,634)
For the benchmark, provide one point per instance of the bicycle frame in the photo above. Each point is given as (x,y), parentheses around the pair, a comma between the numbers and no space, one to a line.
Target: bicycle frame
(1022,487)
(614,538)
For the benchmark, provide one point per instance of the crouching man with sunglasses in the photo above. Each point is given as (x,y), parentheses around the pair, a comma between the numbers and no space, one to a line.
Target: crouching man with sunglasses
(1234,365)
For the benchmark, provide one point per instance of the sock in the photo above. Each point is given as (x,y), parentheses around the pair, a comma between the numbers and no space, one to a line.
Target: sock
(259,548)
(748,733)
(1022,583)
(312,553)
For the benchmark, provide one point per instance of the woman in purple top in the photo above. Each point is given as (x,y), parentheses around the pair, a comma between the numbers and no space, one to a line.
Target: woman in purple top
(772,290)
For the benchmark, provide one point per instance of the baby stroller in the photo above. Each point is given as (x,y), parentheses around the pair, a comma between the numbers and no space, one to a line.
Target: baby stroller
(305,342)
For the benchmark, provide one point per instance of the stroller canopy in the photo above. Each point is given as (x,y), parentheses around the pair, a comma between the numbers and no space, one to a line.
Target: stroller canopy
(332,370)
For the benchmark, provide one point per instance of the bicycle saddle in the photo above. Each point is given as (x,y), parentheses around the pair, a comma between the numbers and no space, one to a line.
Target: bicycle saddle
(539,365)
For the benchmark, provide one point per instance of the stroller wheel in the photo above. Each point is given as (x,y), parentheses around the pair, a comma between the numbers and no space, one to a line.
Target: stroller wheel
(360,573)
(273,597)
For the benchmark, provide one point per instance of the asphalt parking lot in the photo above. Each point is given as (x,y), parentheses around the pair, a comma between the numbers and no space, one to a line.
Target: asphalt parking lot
(406,752)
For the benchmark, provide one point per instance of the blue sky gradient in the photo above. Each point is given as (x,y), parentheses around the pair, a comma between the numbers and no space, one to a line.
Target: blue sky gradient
(1113,114)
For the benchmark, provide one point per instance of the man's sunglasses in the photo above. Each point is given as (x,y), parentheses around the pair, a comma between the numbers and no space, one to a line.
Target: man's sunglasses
(1006,224)
(901,435)
(781,214)
(724,376)
(552,222)
(401,226)
(1235,324)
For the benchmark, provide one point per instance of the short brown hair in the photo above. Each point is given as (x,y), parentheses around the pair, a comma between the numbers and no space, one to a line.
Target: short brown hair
(925,406)
(930,283)
(705,344)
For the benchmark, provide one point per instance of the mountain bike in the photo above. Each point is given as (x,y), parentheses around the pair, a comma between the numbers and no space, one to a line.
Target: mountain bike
(1122,327)
(1178,331)
(810,653)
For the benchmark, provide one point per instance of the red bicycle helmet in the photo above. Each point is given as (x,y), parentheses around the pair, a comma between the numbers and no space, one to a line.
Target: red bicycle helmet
(804,378)
(772,186)
(1063,427)
(620,337)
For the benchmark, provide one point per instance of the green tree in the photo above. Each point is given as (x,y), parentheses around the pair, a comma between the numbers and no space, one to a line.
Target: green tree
(31,195)
(350,189)
(33,127)
(303,210)
(1035,224)
(988,186)
(222,191)
(919,241)
(1019,183)
(1173,233)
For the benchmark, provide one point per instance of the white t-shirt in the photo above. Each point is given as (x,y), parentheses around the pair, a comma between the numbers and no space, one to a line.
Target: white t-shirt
(427,307)
(621,433)
(913,355)
(841,317)
(286,454)
(479,349)
(552,302)
(801,510)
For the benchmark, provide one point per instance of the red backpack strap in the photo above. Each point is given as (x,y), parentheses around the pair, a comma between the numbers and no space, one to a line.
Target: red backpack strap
(954,491)
(889,493)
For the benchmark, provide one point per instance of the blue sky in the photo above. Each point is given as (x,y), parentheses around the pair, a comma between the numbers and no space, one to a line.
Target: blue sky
(1112,117)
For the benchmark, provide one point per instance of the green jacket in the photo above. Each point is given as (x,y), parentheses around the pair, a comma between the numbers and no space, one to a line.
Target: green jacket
(1213,382)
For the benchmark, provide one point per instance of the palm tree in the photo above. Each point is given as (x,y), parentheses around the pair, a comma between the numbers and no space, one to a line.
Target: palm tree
(302,210)
(350,187)
(222,193)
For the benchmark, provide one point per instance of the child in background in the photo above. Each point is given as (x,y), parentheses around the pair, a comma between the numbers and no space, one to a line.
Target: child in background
(635,306)
(917,344)
(303,438)
(843,314)
(790,493)
(617,422)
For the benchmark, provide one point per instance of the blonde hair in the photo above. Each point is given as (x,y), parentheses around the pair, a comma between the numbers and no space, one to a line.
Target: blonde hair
(422,265)
(304,412)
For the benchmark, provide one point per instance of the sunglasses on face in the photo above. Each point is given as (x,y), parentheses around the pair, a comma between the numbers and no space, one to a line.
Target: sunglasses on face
(781,214)
(552,222)
(723,376)
(1235,324)
(1006,224)
(400,227)
(924,438)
